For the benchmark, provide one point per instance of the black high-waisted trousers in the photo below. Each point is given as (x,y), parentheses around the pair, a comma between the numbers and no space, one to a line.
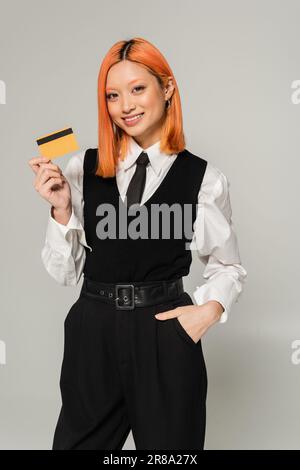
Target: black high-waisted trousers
(126,370)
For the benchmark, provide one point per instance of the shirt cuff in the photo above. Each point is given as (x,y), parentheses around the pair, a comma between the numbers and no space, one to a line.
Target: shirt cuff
(207,292)
(58,234)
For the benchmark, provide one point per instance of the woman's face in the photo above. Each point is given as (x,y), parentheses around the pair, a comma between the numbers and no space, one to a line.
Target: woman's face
(132,90)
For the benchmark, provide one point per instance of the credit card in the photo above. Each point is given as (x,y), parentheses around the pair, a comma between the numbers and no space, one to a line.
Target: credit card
(57,143)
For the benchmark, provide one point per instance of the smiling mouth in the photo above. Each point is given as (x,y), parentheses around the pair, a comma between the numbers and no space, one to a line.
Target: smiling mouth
(133,118)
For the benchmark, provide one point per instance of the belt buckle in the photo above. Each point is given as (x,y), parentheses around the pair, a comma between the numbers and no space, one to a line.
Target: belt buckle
(124,307)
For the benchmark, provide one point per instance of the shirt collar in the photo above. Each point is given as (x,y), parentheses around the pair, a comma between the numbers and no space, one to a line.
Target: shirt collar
(156,157)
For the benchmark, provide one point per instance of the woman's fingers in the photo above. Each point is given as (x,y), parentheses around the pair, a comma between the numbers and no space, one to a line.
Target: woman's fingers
(51,166)
(50,184)
(35,163)
(44,172)
(43,176)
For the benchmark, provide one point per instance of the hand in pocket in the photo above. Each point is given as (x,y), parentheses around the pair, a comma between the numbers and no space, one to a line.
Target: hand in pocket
(194,319)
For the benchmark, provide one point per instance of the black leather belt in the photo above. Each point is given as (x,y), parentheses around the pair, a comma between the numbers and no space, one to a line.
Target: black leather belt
(136,294)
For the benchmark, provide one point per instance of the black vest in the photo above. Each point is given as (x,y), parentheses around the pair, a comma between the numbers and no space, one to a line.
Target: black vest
(117,260)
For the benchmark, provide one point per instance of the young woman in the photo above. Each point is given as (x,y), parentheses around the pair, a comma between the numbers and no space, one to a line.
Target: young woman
(133,357)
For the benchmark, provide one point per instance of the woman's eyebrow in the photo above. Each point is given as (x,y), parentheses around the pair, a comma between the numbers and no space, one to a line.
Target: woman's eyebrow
(129,83)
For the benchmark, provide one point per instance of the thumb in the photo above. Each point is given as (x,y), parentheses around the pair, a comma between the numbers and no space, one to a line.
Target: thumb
(166,315)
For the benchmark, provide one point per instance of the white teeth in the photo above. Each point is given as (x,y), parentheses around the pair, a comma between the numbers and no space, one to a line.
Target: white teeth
(133,118)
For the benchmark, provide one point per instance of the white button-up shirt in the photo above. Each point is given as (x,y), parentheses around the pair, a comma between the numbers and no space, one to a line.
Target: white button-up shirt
(214,238)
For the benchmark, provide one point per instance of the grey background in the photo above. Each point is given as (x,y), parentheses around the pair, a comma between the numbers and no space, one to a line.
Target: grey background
(234,62)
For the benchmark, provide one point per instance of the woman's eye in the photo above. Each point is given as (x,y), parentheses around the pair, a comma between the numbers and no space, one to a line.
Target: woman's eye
(141,87)
(110,94)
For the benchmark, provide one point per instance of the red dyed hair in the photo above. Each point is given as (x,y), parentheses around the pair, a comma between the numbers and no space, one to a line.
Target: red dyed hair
(113,143)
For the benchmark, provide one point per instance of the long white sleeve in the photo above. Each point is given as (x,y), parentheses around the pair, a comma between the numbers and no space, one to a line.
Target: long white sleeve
(216,243)
(63,254)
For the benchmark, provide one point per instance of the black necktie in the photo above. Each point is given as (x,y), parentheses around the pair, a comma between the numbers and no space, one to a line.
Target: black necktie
(137,183)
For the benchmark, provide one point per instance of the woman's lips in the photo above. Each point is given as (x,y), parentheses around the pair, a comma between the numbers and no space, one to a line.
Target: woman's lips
(134,121)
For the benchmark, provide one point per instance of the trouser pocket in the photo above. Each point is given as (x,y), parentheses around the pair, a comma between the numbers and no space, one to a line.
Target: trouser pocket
(183,300)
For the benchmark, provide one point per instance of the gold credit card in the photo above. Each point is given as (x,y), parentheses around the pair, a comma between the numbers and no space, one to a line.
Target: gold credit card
(57,143)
